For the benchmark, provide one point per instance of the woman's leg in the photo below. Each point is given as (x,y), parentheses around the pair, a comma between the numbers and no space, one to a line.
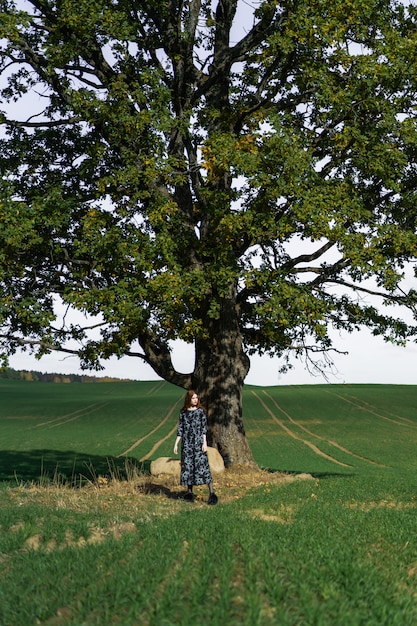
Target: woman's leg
(212,497)
(189,495)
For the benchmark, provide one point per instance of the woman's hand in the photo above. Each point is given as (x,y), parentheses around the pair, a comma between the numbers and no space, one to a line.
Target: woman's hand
(204,447)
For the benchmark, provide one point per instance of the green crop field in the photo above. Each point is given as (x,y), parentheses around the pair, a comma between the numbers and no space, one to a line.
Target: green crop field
(328,428)
(67,428)
(325,537)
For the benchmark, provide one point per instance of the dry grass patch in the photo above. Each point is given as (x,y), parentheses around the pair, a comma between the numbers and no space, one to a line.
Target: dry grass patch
(121,499)
(229,485)
(283,515)
(145,495)
(95,536)
(381,504)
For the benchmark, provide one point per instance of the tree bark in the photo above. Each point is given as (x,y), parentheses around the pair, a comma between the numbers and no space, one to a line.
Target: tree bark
(220,369)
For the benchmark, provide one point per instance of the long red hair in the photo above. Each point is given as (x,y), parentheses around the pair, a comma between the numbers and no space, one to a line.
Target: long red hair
(187,400)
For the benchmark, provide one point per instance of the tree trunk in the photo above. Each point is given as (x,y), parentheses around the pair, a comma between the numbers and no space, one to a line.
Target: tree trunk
(220,369)
(221,366)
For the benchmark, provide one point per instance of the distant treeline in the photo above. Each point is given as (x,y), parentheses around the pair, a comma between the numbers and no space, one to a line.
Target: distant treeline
(30,375)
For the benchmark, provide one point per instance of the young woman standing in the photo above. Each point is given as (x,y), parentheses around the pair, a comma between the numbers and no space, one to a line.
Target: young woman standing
(192,432)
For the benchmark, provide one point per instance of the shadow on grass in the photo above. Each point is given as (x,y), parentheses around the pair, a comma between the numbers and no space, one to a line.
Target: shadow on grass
(156,489)
(64,466)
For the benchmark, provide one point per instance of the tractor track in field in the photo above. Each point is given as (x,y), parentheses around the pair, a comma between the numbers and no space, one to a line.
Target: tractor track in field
(74,415)
(370,408)
(289,432)
(156,387)
(309,432)
(158,444)
(157,427)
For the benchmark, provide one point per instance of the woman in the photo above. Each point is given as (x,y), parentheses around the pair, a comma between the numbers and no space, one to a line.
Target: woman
(192,432)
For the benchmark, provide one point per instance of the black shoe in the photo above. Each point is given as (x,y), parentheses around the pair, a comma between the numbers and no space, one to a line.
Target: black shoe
(189,496)
(213,499)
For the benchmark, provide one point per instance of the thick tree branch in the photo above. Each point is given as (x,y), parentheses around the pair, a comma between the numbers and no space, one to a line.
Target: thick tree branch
(403,300)
(42,123)
(19,341)
(158,356)
(307,258)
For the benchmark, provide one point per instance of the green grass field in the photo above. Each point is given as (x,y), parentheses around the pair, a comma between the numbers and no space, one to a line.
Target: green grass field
(337,548)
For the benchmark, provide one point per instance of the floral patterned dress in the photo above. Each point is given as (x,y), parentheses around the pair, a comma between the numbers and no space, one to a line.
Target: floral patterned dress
(195,470)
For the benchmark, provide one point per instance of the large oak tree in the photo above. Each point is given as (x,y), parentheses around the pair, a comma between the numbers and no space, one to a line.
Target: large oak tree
(236,178)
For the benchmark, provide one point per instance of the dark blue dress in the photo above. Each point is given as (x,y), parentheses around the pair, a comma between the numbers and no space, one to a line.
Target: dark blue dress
(195,470)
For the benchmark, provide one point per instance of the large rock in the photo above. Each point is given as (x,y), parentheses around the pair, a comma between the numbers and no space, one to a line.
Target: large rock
(172,467)
(165,465)
(215,460)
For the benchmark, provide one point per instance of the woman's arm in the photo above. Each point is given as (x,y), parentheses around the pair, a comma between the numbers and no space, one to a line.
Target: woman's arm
(179,433)
(178,439)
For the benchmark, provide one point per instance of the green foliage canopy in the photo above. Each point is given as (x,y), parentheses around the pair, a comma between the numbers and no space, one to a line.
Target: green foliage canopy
(161,159)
